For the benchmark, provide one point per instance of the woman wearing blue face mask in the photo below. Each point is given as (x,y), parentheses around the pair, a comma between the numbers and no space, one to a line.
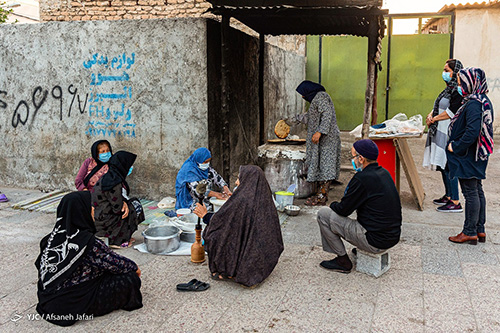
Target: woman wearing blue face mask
(197,169)
(469,148)
(438,120)
(116,215)
(93,168)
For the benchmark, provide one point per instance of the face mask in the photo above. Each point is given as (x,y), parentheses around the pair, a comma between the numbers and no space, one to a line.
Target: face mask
(203,166)
(460,91)
(104,157)
(234,189)
(446,76)
(130,170)
(357,169)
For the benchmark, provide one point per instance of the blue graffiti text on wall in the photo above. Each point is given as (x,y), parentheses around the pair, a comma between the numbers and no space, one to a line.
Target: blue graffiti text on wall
(98,111)
(117,62)
(108,111)
(111,129)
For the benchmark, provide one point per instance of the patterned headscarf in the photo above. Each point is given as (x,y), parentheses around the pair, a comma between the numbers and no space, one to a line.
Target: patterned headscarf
(446,93)
(475,87)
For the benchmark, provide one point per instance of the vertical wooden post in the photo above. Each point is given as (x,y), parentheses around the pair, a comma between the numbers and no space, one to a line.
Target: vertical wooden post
(370,81)
(262,117)
(225,98)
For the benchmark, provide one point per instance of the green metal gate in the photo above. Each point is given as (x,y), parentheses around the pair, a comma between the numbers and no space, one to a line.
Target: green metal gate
(415,66)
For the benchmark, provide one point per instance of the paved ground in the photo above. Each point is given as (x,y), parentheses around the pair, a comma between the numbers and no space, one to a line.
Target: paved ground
(432,286)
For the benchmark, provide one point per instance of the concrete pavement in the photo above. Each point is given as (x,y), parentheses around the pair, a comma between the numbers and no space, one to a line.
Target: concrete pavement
(432,286)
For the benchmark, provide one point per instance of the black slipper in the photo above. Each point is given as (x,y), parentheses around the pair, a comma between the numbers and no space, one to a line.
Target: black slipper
(193,285)
(334,266)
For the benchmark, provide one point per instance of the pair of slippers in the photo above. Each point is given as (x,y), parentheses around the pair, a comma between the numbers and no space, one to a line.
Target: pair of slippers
(193,285)
(3,198)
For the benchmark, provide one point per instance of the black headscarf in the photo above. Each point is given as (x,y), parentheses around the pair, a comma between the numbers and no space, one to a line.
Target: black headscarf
(95,155)
(61,253)
(243,239)
(73,235)
(119,165)
(451,86)
(309,89)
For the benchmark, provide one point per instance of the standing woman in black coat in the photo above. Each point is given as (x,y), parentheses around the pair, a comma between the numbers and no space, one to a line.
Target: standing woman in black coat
(470,145)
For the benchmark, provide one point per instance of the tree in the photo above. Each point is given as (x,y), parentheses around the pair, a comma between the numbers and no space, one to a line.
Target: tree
(4,12)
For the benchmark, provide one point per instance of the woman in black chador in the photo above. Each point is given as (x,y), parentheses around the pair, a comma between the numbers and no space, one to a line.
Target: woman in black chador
(79,277)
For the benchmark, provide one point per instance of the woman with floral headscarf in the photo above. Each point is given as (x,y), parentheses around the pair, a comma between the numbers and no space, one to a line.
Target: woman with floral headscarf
(438,120)
(470,145)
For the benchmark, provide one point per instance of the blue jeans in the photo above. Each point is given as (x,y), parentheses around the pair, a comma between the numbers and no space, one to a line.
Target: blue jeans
(450,185)
(475,206)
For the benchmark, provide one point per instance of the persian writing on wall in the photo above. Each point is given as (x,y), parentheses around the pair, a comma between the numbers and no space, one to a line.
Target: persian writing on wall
(110,95)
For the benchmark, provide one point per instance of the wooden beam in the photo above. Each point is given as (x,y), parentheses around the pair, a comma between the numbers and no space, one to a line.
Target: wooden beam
(225,98)
(370,81)
(295,3)
(262,118)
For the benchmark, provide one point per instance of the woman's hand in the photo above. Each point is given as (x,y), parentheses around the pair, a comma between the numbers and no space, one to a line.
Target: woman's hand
(138,272)
(92,213)
(200,210)
(428,119)
(315,138)
(227,192)
(124,210)
(450,148)
(216,195)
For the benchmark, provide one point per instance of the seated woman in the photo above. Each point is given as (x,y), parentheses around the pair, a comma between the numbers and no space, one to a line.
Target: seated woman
(243,239)
(93,168)
(79,277)
(195,170)
(116,215)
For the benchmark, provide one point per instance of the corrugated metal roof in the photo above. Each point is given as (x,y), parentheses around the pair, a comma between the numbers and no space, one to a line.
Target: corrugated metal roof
(468,5)
(319,17)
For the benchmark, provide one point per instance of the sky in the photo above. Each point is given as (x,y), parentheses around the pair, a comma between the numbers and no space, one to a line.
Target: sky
(416,6)
(410,26)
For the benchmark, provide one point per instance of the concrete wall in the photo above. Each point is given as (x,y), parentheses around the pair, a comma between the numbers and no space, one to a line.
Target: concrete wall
(140,84)
(283,72)
(476,45)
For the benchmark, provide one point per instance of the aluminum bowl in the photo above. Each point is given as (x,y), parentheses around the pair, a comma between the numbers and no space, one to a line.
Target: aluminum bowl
(292,210)
(189,237)
(162,239)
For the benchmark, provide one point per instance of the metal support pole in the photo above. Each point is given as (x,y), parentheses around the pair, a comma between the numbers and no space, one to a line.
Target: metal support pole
(225,98)
(320,62)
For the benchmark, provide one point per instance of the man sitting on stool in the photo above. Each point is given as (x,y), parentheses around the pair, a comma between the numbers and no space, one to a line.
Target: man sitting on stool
(371,192)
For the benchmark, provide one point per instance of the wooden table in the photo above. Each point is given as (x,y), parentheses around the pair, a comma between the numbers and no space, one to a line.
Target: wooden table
(394,152)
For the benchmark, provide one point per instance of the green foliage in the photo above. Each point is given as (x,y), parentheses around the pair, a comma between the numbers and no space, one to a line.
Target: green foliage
(4,13)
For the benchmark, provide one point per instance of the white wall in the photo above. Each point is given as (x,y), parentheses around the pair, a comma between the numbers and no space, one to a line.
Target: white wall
(477,44)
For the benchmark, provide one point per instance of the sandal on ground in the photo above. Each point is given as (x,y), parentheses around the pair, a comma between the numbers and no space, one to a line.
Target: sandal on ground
(316,201)
(220,277)
(311,201)
(193,285)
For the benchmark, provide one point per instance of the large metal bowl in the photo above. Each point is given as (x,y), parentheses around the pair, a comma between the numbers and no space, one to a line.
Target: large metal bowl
(189,237)
(162,239)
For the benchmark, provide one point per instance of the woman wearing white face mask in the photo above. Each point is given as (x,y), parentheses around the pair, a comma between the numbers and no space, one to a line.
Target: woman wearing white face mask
(438,120)
(195,170)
